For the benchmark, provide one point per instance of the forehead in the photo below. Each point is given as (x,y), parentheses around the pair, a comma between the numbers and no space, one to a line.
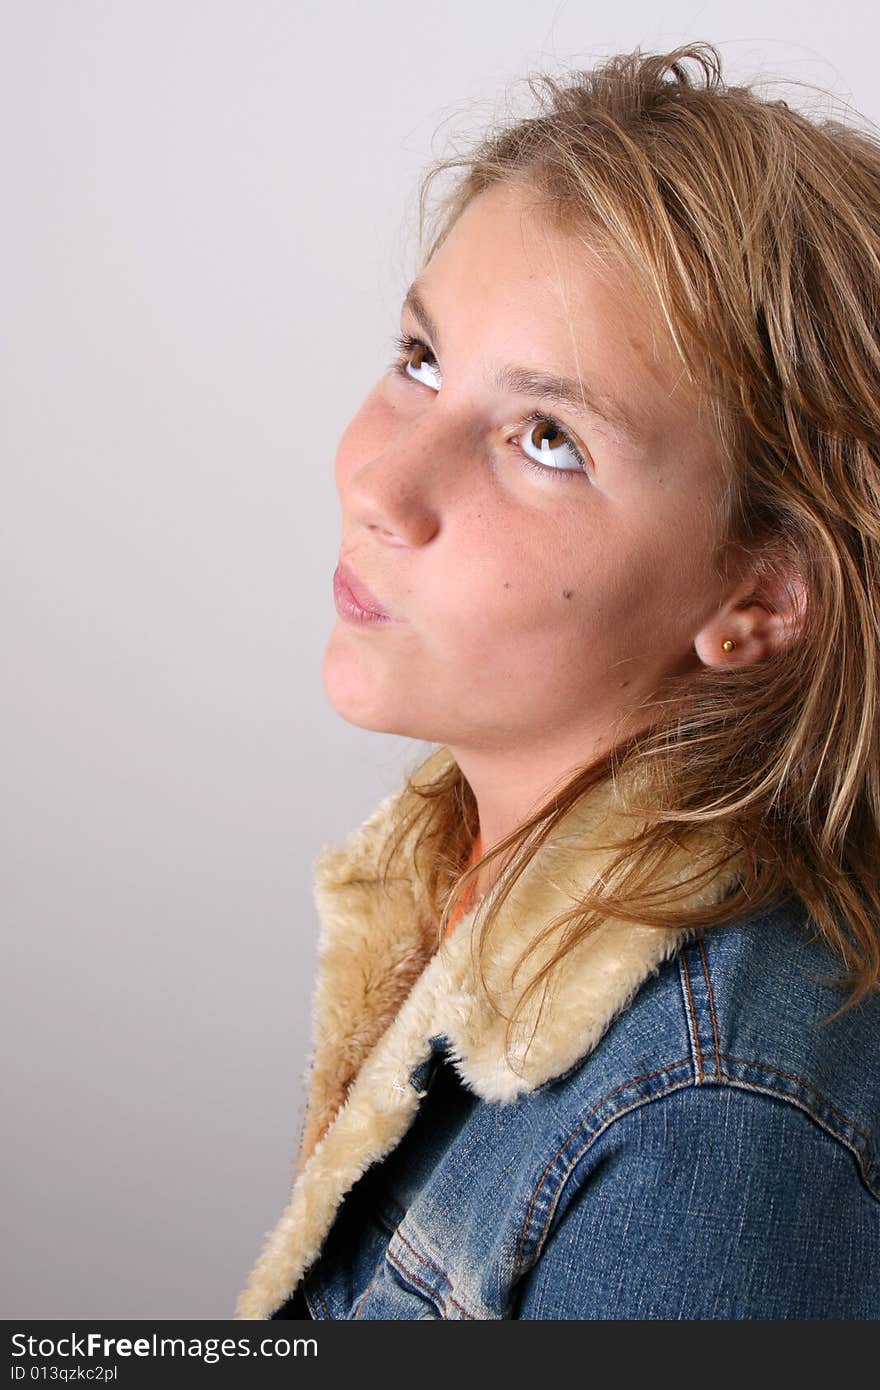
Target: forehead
(506,279)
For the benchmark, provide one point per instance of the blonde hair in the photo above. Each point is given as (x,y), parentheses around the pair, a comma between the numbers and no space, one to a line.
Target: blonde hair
(756,233)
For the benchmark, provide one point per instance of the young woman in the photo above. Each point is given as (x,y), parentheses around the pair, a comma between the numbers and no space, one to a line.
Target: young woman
(597,1026)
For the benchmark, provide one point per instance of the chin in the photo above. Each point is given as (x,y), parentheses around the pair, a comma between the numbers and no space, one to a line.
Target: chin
(354,692)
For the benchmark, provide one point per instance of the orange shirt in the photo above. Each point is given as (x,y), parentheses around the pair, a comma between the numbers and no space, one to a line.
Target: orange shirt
(462,906)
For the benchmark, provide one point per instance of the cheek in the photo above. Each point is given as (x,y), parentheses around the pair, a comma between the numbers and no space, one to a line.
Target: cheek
(603,591)
(650,581)
(504,602)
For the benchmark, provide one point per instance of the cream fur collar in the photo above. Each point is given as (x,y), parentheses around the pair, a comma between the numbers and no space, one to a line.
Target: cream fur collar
(384,989)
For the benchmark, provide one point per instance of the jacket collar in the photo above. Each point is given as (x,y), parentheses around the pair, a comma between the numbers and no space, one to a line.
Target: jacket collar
(384,989)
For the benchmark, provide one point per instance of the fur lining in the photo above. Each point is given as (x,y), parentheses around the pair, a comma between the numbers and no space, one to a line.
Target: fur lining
(384,989)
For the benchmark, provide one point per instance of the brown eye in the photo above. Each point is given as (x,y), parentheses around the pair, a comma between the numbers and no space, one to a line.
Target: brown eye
(551,441)
(412,355)
(546,435)
(418,357)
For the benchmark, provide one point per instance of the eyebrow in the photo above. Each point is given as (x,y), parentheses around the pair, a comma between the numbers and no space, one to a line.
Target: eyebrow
(576,395)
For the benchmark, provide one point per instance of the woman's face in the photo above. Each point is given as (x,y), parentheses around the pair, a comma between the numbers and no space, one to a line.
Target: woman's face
(536,606)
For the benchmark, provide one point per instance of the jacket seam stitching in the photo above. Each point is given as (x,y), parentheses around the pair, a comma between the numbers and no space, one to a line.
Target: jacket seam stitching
(423,1259)
(792,1076)
(711,998)
(363,1298)
(692,1015)
(755,1087)
(866,1161)
(646,1076)
(435,1297)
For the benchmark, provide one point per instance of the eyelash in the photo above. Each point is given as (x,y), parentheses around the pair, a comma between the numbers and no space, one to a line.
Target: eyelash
(406,342)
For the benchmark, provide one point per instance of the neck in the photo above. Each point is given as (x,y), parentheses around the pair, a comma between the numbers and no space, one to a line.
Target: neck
(509,790)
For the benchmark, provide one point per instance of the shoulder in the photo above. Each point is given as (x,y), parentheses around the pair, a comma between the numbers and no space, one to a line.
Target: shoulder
(744,1007)
(715,1202)
(718,1151)
(758,998)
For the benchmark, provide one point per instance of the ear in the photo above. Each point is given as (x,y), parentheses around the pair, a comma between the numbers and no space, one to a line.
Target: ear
(762,614)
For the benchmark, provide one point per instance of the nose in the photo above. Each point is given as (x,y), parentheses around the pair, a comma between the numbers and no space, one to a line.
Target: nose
(395,492)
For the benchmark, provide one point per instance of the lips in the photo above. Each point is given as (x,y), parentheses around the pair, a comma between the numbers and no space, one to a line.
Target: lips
(359,591)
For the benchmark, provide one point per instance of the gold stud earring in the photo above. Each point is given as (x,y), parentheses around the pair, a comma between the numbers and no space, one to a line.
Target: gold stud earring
(728,644)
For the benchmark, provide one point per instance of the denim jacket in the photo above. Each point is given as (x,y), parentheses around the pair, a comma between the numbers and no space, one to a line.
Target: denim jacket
(687,1137)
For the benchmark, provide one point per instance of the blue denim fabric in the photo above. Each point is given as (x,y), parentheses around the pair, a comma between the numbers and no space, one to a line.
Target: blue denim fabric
(715,1156)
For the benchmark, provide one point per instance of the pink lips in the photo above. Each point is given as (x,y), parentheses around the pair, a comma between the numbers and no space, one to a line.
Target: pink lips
(353,598)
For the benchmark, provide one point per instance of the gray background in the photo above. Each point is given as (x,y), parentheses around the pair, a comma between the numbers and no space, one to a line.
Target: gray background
(208,222)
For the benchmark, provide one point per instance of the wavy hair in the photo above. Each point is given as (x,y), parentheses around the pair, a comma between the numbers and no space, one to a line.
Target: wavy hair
(755,230)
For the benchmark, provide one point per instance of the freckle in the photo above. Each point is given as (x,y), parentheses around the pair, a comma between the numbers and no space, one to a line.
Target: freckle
(567,593)
(507,583)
